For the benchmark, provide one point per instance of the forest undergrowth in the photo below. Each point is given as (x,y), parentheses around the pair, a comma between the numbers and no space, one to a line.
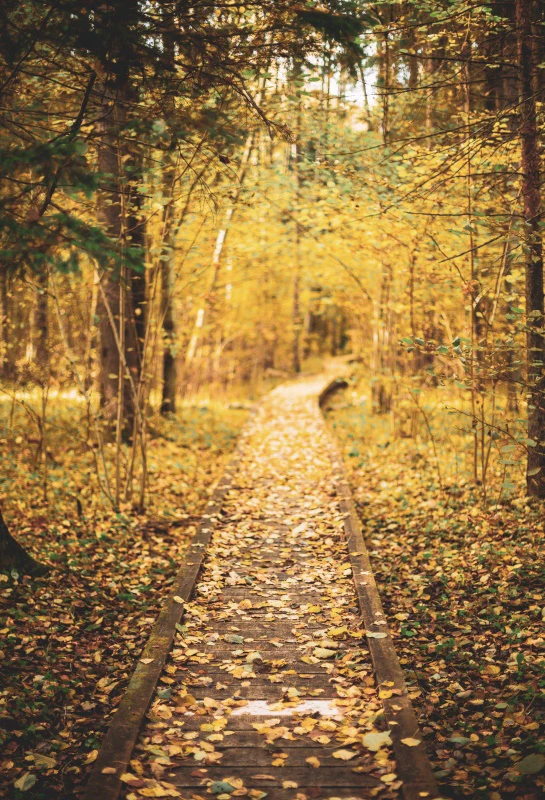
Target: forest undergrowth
(461,579)
(70,639)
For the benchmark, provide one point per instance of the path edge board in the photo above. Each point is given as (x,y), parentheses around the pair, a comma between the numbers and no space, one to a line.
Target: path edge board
(121,737)
(412,763)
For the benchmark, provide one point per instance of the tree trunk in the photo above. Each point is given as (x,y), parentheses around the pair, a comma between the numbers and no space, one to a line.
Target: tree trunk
(6,360)
(296,287)
(135,305)
(42,323)
(530,167)
(124,288)
(110,214)
(168,275)
(13,556)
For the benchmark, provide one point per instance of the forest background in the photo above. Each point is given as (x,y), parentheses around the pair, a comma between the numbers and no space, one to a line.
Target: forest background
(200,200)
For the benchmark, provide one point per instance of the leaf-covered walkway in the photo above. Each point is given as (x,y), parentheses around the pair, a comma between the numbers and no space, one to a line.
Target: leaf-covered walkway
(270,685)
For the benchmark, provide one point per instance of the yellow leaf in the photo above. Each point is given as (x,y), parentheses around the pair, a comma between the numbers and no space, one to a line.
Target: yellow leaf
(410,742)
(323,652)
(127,777)
(337,631)
(344,755)
(313,761)
(375,740)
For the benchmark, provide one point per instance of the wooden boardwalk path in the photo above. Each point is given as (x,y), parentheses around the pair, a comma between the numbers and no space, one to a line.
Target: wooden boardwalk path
(270,687)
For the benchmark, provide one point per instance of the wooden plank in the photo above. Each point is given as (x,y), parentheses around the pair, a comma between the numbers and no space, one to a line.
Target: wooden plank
(118,744)
(412,763)
(246,736)
(335,777)
(257,754)
(270,692)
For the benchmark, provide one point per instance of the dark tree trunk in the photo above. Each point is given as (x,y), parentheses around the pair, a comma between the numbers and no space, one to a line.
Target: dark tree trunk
(170,374)
(123,299)
(13,556)
(530,166)
(135,295)
(110,214)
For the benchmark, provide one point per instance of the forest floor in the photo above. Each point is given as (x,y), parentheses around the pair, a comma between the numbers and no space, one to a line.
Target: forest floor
(462,583)
(461,580)
(69,639)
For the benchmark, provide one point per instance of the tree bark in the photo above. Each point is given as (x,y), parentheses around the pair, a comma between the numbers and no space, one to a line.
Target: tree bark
(13,556)
(42,323)
(6,360)
(110,214)
(124,288)
(530,167)
(168,275)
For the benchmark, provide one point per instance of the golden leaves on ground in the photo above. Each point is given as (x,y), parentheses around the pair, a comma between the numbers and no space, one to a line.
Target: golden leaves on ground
(270,680)
(464,580)
(73,637)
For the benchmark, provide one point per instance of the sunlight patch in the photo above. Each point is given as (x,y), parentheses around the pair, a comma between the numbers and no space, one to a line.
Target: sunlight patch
(257,708)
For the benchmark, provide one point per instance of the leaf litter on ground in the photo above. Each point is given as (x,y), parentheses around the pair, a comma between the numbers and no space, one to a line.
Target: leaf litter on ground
(462,583)
(71,638)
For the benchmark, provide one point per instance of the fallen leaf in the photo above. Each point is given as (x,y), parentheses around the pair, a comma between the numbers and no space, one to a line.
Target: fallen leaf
(344,755)
(221,787)
(375,740)
(44,761)
(323,652)
(25,782)
(531,765)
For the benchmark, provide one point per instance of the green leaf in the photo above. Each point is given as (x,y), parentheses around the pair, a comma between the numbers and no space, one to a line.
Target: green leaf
(221,787)
(531,765)
(25,782)
(233,638)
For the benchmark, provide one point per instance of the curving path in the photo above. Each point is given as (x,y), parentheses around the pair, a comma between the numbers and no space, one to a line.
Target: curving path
(270,688)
